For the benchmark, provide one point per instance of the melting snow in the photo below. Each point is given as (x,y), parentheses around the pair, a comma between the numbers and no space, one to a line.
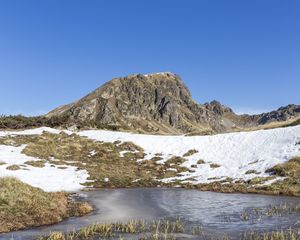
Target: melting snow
(236,153)
(49,178)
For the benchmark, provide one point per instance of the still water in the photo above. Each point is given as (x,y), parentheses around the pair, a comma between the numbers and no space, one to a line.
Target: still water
(217,213)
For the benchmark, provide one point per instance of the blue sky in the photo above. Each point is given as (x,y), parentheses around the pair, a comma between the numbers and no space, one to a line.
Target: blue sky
(245,54)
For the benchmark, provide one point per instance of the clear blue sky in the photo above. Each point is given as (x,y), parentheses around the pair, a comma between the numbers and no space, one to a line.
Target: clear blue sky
(244,53)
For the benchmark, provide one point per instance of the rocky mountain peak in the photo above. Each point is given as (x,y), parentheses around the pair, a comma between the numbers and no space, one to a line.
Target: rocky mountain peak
(155,103)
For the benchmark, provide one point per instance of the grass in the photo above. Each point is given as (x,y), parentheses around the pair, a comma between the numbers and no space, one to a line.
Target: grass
(214,165)
(200,161)
(259,214)
(272,125)
(190,153)
(22,205)
(13,167)
(161,229)
(287,169)
(104,163)
(108,168)
(289,185)
(22,122)
(251,172)
(38,163)
(290,234)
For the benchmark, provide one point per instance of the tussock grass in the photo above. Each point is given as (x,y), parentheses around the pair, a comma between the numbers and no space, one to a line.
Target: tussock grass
(287,169)
(251,172)
(214,165)
(161,229)
(153,230)
(108,168)
(102,160)
(175,160)
(190,152)
(257,214)
(13,167)
(290,185)
(290,234)
(38,163)
(22,205)
(200,161)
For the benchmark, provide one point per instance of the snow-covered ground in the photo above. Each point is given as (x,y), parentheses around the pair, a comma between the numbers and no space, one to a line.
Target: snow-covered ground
(49,178)
(236,153)
(35,131)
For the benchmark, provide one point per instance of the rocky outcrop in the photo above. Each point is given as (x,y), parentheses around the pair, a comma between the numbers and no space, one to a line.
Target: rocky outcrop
(281,114)
(156,103)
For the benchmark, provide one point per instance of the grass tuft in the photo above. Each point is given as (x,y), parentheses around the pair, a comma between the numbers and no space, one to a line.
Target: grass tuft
(13,167)
(214,165)
(190,153)
(22,205)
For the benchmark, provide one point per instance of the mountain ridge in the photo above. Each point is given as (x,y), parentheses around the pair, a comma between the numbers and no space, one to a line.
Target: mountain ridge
(159,103)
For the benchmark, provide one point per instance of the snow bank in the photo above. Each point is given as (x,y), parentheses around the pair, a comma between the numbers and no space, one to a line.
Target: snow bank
(236,153)
(35,131)
(49,178)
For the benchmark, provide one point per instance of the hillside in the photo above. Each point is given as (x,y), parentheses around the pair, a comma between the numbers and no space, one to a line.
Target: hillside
(265,161)
(158,103)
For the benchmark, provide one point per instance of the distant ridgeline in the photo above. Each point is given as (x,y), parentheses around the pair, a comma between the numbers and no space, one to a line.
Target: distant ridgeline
(22,122)
(158,103)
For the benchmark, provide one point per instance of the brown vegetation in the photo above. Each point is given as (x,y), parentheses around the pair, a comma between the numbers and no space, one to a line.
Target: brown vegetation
(190,153)
(22,122)
(13,167)
(104,162)
(22,205)
(214,165)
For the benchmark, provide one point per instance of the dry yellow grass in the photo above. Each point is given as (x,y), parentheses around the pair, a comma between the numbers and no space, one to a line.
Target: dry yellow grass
(272,125)
(109,169)
(103,161)
(22,205)
(13,167)
(290,185)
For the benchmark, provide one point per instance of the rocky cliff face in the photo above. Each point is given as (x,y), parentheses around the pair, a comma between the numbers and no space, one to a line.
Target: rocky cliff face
(281,114)
(157,103)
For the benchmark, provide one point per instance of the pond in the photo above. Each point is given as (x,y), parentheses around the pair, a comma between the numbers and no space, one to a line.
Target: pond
(217,213)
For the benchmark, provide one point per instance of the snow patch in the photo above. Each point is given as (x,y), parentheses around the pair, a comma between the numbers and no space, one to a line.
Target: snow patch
(35,131)
(49,178)
(236,153)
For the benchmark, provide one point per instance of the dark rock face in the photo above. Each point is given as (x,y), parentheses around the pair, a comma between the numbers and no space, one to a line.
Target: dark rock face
(282,114)
(157,103)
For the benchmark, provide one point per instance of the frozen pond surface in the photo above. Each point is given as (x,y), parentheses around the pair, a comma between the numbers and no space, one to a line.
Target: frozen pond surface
(218,213)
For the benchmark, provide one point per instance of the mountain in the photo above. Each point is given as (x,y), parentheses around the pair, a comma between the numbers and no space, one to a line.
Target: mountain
(158,103)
